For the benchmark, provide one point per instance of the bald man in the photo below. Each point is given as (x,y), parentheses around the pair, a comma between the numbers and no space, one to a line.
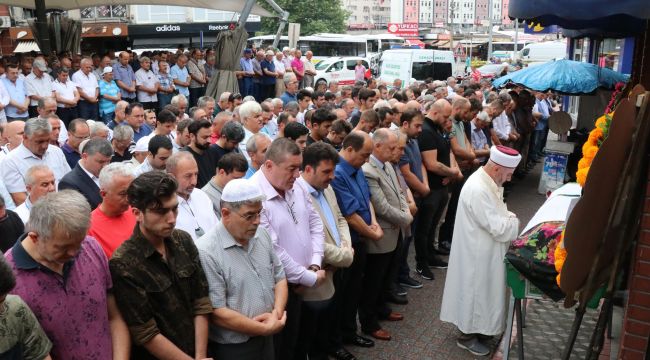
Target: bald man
(441,169)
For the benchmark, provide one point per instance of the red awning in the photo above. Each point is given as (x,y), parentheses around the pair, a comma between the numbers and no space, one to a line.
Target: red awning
(415,42)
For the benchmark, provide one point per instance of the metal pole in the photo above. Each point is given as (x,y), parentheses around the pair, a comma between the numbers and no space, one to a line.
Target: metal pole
(490,11)
(243,16)
(283,23)
(41,25)
(515,55)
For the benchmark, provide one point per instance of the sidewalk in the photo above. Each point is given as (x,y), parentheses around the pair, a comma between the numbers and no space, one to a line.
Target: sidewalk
(422,335)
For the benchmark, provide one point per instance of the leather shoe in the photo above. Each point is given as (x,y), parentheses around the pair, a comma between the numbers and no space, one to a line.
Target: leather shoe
(396,299)
(394,316)
(381,334)
(360,341)
(343,354)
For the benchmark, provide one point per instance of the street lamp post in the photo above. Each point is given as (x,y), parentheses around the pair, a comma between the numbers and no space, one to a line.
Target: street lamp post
(490,12)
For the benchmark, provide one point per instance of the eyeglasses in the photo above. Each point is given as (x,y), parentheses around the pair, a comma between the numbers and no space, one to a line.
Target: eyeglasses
(79,137)
(250,217)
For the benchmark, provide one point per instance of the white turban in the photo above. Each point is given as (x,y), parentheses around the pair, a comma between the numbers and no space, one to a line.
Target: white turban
(504,156)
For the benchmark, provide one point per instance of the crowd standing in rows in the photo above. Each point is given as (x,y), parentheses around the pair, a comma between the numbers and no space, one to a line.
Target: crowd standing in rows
(142,218)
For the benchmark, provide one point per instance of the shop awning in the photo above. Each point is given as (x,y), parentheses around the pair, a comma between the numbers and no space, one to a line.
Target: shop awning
(415,42)
(622,17)
(26,46)
(226,5)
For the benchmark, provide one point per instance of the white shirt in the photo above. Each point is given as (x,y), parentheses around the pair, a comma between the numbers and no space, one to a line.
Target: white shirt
(4,100)
(279,67)
(149,80)
(66,90)
(144,167)
(196,215)
(38,86)
(502,126)
(23,210)
(18,161)
(86,83)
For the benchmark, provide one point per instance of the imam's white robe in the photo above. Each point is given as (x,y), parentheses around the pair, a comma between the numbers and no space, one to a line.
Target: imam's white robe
(475,289)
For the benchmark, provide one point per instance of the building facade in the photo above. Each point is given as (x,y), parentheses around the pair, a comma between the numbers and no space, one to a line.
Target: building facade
(370,14)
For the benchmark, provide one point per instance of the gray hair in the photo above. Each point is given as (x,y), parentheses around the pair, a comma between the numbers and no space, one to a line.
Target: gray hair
(112,171)
(96,126)
(233,131)
(204,100)
(483,116)
(505,97)
(251,144)
(381,136)
(277,101)
(248,109)
(123,133)
(236,205)
(248,99)
(44,100)
(144,58)
(288,77)
(37,125)
(66,211)
(98,145)
(178,98)
(175,159)
(30,174)
(225,96)
(86,60)
(291,106)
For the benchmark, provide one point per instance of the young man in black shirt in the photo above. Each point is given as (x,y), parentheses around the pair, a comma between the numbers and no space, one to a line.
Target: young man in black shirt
(441,168)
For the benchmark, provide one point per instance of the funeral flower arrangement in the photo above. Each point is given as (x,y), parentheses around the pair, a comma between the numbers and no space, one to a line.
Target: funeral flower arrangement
(589,150)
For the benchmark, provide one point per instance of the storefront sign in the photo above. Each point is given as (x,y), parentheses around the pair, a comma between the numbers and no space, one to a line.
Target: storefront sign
(404,29)
(88,30)
(187,29)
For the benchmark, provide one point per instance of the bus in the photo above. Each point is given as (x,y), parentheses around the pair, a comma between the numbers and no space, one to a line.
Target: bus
(321,45)
(502,50)
(326,45)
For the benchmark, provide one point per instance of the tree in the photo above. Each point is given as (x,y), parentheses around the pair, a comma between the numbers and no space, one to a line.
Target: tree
(314,16)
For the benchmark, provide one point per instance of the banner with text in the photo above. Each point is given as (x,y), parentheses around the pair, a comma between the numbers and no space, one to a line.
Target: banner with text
(405,30)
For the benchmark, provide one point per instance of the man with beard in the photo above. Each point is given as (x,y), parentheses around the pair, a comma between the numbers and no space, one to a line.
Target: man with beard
(198,147)
(237,257)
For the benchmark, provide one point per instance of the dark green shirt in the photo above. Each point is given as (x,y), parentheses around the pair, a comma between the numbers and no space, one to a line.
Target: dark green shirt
(160,296)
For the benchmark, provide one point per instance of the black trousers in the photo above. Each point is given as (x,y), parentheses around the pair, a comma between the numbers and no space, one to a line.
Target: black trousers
(67,115)
(313,316)
(256,348)
(352,290)
(372,305)
(32,111)
(151,105)
(447,229)
(428,218)
(285,341)
(88,111)
(333,326)
(195,94)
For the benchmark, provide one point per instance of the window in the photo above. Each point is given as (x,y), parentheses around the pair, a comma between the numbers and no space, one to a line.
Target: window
(437,71)
(351,64)
(218,15)
(159,14)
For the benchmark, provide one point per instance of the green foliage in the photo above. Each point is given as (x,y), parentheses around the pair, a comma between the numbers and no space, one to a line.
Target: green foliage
(314,16)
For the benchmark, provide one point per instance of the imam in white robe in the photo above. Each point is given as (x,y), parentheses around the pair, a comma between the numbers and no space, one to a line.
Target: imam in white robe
(475,289)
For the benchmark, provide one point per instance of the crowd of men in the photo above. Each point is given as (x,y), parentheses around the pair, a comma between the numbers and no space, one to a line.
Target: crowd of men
(142,219)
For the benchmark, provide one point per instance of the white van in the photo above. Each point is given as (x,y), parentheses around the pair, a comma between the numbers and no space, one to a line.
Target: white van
(543,52)
(340,69)
(418,64)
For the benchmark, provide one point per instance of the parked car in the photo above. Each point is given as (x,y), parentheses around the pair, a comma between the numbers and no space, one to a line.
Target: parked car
(544,51)
(415,65)
(340,69)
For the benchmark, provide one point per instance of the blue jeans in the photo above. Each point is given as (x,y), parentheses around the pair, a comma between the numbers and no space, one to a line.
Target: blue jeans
(164,99)
(107,117)
(87,111)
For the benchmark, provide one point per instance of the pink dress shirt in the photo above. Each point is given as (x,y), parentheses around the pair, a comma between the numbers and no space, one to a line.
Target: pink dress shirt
(298,243)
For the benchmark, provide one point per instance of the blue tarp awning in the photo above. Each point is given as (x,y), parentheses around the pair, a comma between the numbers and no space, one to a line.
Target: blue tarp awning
(608,18)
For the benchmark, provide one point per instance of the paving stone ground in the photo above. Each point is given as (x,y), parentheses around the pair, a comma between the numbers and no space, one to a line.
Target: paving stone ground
(423,336)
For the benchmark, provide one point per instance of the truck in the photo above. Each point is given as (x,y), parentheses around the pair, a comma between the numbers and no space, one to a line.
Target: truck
(411,65)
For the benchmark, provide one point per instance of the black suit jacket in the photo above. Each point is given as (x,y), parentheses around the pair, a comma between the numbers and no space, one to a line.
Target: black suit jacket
(77,179)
